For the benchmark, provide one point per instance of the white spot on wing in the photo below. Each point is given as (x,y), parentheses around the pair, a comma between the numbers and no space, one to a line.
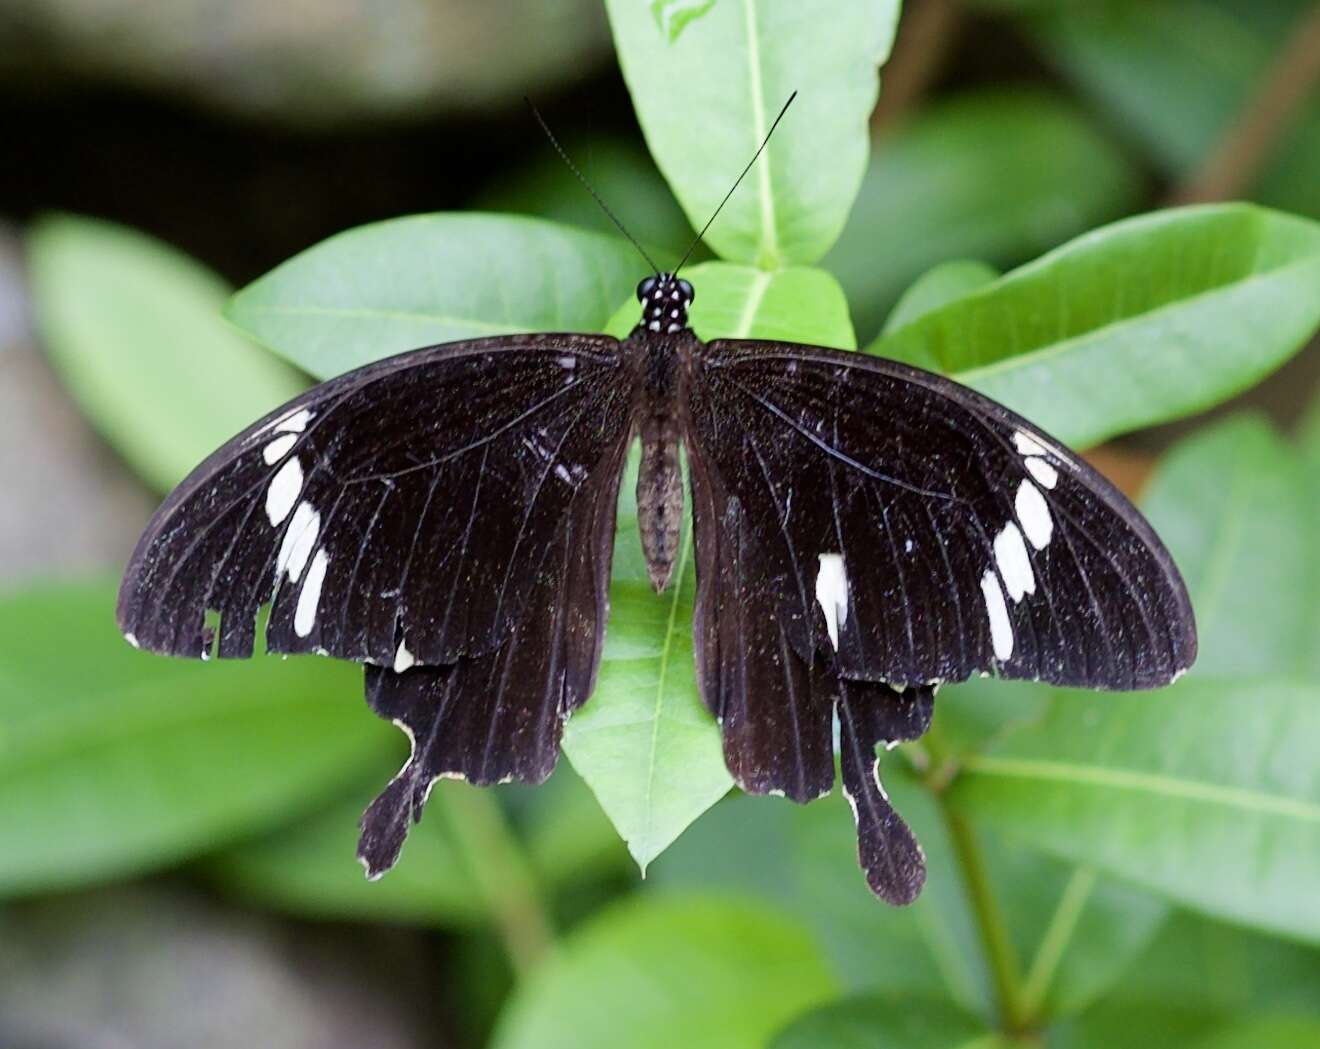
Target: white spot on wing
(1026,444)
(283,490)
(1034,514)
(299,540)
(295,423)
(403,659)
(309,600)
(562,472)
(279,448)
(1042,471)
(832,594)
(1014,564)
(568,362)
(132,640)
(1001,629)
(654,325)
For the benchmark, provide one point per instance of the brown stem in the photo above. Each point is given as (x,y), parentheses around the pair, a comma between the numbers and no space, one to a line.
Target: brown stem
(1251,139)
(926,35)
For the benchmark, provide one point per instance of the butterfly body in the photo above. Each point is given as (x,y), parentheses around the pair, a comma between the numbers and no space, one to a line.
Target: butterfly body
(863,531)
(661,345)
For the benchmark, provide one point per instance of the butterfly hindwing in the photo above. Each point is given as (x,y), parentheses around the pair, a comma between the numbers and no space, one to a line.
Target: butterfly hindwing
(396,515)
(498,716)
(915,531)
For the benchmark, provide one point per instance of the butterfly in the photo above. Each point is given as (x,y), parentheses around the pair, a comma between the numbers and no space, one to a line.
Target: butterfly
(864,531)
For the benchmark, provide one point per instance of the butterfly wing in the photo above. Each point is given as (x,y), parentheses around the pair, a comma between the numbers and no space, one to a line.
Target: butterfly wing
(445,516)
(396,515)
(498,717)
(872,528)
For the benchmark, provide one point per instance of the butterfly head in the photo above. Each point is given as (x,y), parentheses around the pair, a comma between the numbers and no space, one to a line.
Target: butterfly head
(665,300)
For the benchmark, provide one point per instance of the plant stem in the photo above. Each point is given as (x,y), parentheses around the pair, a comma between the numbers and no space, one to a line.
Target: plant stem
(1076,894)
(926,35)
(499,866)
(1000,955)
(1251,139)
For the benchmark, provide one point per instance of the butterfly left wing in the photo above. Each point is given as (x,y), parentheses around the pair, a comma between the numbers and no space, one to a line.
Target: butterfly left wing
(499,717)
(445,516)
(395,515)
(871,530)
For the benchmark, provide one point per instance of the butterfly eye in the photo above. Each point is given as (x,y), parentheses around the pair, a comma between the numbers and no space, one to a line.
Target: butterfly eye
(644,289)
(686,289)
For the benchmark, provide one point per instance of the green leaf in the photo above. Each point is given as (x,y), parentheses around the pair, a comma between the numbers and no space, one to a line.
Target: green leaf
(1076,931)
(1231,505)
(1175,75)
(135,331)
(803,860)
(672,15)
(645,743)
(1140,322)
(655,973)
(876,1022)
(113,761)
(707,98)
(1207,793)
(1079,932)
(310,867)
(1218,969)
(392,286)
(937,287)
(1000,175)
(1167,1025)
(1277,1032)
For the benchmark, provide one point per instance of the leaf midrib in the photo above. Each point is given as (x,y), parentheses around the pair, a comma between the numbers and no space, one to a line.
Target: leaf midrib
(1036,356)
(1151,783)
(770,237)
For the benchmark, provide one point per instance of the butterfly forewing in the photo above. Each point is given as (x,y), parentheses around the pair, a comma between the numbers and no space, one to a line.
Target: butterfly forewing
(915,531)
(396,515)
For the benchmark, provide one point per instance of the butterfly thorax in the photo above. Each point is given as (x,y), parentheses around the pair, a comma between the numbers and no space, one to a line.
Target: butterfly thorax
(659,340)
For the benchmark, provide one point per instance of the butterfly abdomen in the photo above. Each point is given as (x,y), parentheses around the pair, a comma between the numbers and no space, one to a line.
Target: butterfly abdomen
(660,478)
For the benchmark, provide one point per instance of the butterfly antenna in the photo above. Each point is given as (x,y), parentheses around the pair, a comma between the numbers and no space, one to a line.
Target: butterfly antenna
(563,155)
(737,182)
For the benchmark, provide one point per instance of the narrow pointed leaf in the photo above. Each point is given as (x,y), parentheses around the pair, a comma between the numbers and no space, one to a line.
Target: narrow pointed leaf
(1147,320)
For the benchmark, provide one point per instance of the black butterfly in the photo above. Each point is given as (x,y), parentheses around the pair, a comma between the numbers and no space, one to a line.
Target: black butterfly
(864,532)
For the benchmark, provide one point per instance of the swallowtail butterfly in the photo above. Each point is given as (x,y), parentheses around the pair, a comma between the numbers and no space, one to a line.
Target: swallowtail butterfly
(864,532)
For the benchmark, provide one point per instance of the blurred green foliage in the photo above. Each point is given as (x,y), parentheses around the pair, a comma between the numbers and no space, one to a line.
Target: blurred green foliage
(1099,864)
